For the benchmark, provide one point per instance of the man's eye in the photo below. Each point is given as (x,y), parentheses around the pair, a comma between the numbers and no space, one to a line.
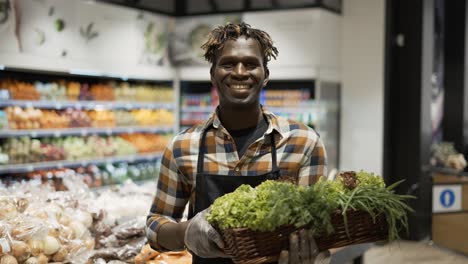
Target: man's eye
(227,65)
(251,65)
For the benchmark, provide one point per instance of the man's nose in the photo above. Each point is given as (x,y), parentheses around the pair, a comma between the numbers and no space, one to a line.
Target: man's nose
(240,69)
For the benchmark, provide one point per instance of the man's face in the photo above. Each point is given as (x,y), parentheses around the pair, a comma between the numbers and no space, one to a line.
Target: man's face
(239,73)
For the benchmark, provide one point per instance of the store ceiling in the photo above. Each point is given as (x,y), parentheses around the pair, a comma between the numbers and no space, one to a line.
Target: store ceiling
(204,7)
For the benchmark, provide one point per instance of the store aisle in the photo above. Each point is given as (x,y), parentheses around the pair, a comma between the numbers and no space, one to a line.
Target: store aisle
(408,252)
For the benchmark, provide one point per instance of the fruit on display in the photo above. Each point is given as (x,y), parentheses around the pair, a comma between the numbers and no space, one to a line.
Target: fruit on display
(91,175)
(102,118)
(284,97)
(51,152)
(85,94)
(52,91)
(33,118)
(124,118)
(19,118)
(22,150)
(53,119)
(123,147)
(20,90)
(144,93)
(76,148)
(72,90)
(148,117)
(102,92)
(3,120)
(25,149)
(145,117)
(146,143)
(165,117)
(77,118)
(3,157)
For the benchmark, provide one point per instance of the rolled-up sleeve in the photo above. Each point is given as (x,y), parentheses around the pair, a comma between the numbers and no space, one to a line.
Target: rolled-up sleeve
(172,194)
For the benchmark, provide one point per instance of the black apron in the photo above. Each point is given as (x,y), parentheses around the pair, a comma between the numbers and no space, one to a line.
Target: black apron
(211,186)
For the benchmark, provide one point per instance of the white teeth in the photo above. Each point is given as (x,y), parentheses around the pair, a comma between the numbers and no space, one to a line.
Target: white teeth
(239,86)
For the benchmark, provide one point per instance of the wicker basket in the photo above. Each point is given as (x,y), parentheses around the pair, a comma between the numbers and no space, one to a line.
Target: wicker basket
(254,247)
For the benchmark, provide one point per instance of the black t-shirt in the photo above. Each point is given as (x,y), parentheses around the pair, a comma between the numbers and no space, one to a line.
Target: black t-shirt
(244,137)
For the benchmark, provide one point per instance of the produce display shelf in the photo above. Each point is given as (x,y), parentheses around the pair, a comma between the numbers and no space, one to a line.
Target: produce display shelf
(83,131)
(86,104)
(197,109)
(29,167)
(287,110)
(115,186)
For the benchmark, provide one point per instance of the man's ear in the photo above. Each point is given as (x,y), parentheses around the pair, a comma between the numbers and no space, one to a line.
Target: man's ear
(267,76)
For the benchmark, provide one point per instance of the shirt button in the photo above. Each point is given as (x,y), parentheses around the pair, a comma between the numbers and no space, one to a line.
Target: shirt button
(237,169)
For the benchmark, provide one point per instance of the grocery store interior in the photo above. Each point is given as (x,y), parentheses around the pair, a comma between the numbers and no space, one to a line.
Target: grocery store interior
(92,91)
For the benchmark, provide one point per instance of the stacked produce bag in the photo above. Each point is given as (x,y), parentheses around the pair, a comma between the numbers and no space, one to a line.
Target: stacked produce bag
(41,225)
(38,225)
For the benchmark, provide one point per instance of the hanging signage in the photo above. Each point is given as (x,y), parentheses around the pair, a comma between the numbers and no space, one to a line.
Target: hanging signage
(446,198)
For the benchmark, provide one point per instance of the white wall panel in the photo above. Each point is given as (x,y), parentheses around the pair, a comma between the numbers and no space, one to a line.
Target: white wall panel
(123,46)
(362,115)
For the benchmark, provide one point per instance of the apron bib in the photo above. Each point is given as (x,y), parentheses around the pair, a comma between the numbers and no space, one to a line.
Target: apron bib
(211,186)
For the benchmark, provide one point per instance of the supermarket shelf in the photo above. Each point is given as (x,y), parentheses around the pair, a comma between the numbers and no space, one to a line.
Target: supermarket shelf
(117,186)
(206,109)
(86,104)
(28,167)
(82,131)
(292,110)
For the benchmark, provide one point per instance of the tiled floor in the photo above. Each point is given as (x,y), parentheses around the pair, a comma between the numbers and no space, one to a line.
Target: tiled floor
(406,252)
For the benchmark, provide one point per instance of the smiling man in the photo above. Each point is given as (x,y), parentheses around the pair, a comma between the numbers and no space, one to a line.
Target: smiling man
(241,143)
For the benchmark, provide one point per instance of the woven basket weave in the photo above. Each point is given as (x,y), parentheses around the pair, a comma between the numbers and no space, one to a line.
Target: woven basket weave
(254,247)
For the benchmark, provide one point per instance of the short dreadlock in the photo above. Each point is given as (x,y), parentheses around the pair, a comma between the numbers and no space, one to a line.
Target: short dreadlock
(220,35)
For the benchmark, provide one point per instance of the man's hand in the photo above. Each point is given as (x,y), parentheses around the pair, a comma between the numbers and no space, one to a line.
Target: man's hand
(202,239)
(303,250)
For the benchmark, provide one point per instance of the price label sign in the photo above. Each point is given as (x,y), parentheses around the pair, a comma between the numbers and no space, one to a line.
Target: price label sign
(446,198)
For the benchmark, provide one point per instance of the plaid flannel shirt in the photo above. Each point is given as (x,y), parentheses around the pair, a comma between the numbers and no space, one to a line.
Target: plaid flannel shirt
(300,152)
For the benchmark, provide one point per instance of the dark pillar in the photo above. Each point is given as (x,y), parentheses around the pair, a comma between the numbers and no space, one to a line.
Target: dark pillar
(407,125)
(455,121)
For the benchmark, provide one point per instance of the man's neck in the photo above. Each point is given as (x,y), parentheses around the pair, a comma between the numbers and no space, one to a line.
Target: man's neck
(237,119)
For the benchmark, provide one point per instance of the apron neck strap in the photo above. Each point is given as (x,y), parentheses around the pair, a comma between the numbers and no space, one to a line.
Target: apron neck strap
(202,151)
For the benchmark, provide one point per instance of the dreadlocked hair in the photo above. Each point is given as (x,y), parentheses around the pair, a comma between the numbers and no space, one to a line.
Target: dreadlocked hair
(220,35)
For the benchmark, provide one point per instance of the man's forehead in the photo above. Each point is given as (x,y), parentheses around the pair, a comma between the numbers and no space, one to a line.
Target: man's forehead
(241,46)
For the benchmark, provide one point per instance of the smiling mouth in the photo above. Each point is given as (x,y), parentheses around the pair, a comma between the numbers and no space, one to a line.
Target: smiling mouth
(239,86)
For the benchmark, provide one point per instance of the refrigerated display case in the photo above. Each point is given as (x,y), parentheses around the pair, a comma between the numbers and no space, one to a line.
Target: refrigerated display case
(57,120)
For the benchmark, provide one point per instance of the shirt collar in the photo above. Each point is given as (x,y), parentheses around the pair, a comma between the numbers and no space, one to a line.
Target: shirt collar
(273,122)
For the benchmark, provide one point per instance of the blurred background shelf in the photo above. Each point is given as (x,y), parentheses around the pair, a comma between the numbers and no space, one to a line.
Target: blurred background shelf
(83,131)
(86,104)
(28,167)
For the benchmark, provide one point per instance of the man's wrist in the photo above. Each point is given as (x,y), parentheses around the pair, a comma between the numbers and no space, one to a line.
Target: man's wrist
(171,235)
(181,228)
